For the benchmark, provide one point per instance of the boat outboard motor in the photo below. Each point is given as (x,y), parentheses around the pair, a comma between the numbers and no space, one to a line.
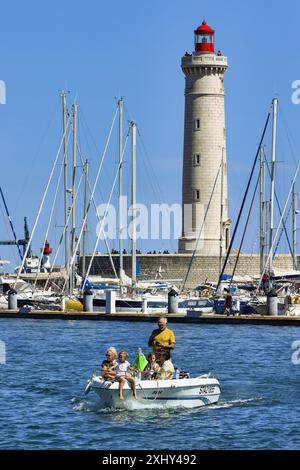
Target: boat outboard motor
(88,386)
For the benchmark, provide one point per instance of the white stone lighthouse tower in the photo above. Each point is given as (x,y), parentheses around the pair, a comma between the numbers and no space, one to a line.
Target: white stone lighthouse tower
(204,149)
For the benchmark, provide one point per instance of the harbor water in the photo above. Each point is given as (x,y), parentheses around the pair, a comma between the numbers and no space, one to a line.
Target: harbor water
(42,405)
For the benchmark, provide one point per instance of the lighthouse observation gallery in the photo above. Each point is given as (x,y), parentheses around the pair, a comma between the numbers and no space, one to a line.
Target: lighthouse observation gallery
(206,227)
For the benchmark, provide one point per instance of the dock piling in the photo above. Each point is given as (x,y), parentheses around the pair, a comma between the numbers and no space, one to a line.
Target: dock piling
(110,301)
(88,301)
(173,301)
(145,305)
(12,300)
(272,303)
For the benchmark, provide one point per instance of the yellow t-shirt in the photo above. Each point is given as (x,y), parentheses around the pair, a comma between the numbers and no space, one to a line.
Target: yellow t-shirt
(165,337)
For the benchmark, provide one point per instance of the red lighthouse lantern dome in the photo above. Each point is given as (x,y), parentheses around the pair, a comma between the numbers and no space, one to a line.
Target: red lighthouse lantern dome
(204,39)
(47,250)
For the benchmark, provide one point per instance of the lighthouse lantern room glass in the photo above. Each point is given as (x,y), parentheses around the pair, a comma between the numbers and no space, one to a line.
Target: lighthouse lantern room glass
(204,39)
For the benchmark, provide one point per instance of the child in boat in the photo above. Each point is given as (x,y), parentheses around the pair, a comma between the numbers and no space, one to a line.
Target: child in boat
(152,367)
(123,373)
(166,370)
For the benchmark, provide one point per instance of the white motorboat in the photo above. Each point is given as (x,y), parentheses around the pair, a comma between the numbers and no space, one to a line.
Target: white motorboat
(183,392)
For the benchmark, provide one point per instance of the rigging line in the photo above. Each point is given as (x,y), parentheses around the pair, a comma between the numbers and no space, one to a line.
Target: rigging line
(42,202)
(50,221)
(243,201)
(153,179)
(63,232)
(52,211)
(245,229)
(10,223)
(89,137)
(289,135)
(90,187)
(280,222)
(10,248)
(280,236)
(254,244)
(99,220)
(201,228)
(154,183)
(148,162)
(92,193)
(105,213)
(147,159)
(158,198)
(279,208)
(87,130)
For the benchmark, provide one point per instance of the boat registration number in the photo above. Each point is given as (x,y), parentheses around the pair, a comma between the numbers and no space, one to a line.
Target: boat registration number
(205,389)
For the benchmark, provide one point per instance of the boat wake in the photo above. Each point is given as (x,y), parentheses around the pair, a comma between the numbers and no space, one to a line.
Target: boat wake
(238,402)
(96,406)
(83,405)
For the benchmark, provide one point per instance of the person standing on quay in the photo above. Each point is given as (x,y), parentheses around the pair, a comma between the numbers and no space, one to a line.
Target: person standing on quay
(227,302)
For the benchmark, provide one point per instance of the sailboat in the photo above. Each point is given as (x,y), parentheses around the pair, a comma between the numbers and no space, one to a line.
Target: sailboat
(276,284)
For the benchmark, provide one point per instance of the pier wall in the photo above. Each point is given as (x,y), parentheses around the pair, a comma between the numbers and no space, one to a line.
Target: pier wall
(174,266)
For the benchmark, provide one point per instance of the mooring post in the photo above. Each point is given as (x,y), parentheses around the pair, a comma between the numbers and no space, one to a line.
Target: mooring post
(272,303)
(173,301)
(88,301)
(110,302)
(12,300)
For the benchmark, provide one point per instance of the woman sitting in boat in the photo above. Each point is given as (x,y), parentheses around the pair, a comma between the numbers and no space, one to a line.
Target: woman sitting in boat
(166,370)
(109,365)
(152,367)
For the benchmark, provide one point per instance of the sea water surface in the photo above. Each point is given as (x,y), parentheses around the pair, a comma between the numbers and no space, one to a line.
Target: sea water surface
(42,405)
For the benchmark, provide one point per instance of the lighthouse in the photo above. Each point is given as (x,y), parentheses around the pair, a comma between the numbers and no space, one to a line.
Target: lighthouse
(206,227)
(47,250)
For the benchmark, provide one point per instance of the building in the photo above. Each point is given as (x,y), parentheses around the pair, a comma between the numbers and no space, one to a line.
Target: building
(206,227)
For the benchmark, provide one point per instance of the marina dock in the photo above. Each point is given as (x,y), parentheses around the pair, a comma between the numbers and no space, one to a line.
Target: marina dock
(140,317)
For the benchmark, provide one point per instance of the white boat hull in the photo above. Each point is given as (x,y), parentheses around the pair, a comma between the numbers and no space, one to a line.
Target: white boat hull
(187,393)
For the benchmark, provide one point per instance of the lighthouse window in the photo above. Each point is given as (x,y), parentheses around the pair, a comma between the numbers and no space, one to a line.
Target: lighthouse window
(197,159)
(227,238)
(197,194)
(206,38)
(197,124)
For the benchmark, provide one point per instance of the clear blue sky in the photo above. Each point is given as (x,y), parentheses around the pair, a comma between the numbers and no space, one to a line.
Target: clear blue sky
(100,50)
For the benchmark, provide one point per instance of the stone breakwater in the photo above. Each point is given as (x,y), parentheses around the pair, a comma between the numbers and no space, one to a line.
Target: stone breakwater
(174,266)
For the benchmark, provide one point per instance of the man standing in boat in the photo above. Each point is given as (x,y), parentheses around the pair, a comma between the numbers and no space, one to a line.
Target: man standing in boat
(162,338)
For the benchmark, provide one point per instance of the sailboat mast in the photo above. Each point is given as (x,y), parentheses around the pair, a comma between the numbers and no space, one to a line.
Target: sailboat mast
(272,192)
(133,204)
(222,211)
(295,211)
(66,203)
(262,209)
(120,105)
(74,164)
(85,204)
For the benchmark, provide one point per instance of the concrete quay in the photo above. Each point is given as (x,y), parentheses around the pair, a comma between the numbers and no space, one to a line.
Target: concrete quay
(140,317)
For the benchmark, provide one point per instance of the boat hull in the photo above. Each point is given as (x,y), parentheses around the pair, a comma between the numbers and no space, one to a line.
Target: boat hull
(187,393)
